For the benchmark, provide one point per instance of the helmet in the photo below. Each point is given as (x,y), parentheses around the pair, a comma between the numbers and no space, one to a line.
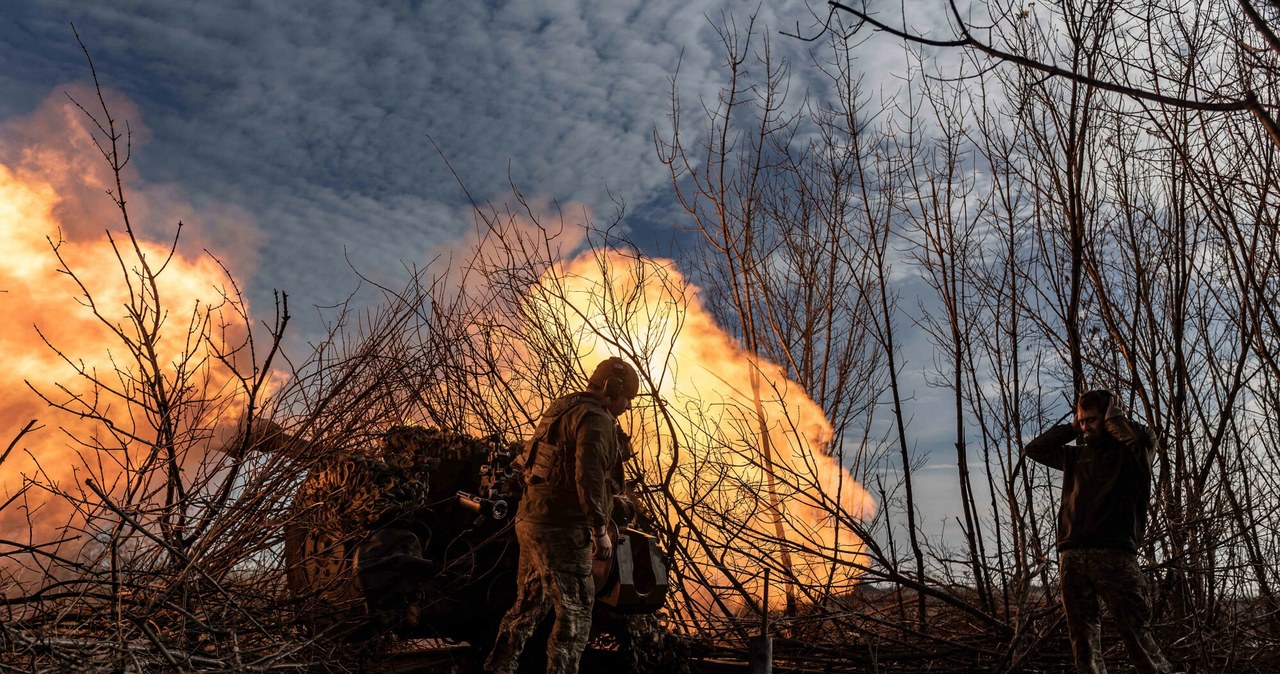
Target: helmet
(615,378)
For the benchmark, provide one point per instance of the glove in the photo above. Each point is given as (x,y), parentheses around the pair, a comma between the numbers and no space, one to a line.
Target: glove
(601,544)
(1120,429)
(1117,423)
(1115,409)
(624,511)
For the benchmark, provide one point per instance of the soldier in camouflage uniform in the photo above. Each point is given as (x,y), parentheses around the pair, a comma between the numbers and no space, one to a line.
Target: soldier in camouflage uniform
(562,520)
(1106,483)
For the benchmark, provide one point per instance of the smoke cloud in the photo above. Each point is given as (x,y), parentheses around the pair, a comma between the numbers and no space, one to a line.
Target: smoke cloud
(56,195)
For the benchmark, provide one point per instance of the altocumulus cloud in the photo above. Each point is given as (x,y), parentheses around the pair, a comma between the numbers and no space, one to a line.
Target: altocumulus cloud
(315,114)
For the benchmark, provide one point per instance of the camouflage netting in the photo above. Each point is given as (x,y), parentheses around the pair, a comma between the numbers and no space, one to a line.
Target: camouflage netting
(410,542)
(359,541)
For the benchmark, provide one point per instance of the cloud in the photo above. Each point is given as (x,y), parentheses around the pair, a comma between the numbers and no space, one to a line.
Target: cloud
(317,115)
(59,146)
(344,95)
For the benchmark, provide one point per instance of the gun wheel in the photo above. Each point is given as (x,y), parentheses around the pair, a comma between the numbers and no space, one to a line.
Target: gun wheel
(320,575)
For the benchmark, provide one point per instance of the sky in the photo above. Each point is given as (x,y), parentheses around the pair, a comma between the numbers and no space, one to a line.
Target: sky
(319,119)
(299,137)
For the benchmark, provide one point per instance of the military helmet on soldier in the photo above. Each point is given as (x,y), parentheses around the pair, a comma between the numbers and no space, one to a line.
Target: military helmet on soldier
(614,378)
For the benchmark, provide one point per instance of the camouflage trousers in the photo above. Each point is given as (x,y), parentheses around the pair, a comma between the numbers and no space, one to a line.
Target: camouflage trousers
(554,574)
(1090,574)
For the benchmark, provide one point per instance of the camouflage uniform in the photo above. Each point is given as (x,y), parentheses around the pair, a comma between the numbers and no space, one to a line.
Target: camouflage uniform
(1090,573)
(1106,485)
(568,491)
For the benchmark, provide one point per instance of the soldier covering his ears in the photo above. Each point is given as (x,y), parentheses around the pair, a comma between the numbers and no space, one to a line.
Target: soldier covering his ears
(562,521)
(1106,460)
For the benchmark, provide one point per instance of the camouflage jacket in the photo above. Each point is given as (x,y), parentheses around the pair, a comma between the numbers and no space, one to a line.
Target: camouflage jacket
(572,462)
(1106,486)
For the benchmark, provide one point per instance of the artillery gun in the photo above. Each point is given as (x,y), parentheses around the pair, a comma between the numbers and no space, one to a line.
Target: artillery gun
(421,543)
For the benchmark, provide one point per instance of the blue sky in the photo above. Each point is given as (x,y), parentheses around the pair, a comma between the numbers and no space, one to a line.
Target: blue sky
(316,117)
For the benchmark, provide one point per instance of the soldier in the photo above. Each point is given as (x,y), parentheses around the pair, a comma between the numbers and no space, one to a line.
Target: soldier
(562,521)
(1106,483)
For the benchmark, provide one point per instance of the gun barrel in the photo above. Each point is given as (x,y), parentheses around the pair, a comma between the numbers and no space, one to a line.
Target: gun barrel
(495,509)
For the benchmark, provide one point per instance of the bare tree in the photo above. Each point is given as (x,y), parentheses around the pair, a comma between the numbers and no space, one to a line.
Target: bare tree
(1249,40)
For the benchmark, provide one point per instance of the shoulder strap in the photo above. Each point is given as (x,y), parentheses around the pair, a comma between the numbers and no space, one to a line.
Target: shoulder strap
(550,420)
(558,409)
